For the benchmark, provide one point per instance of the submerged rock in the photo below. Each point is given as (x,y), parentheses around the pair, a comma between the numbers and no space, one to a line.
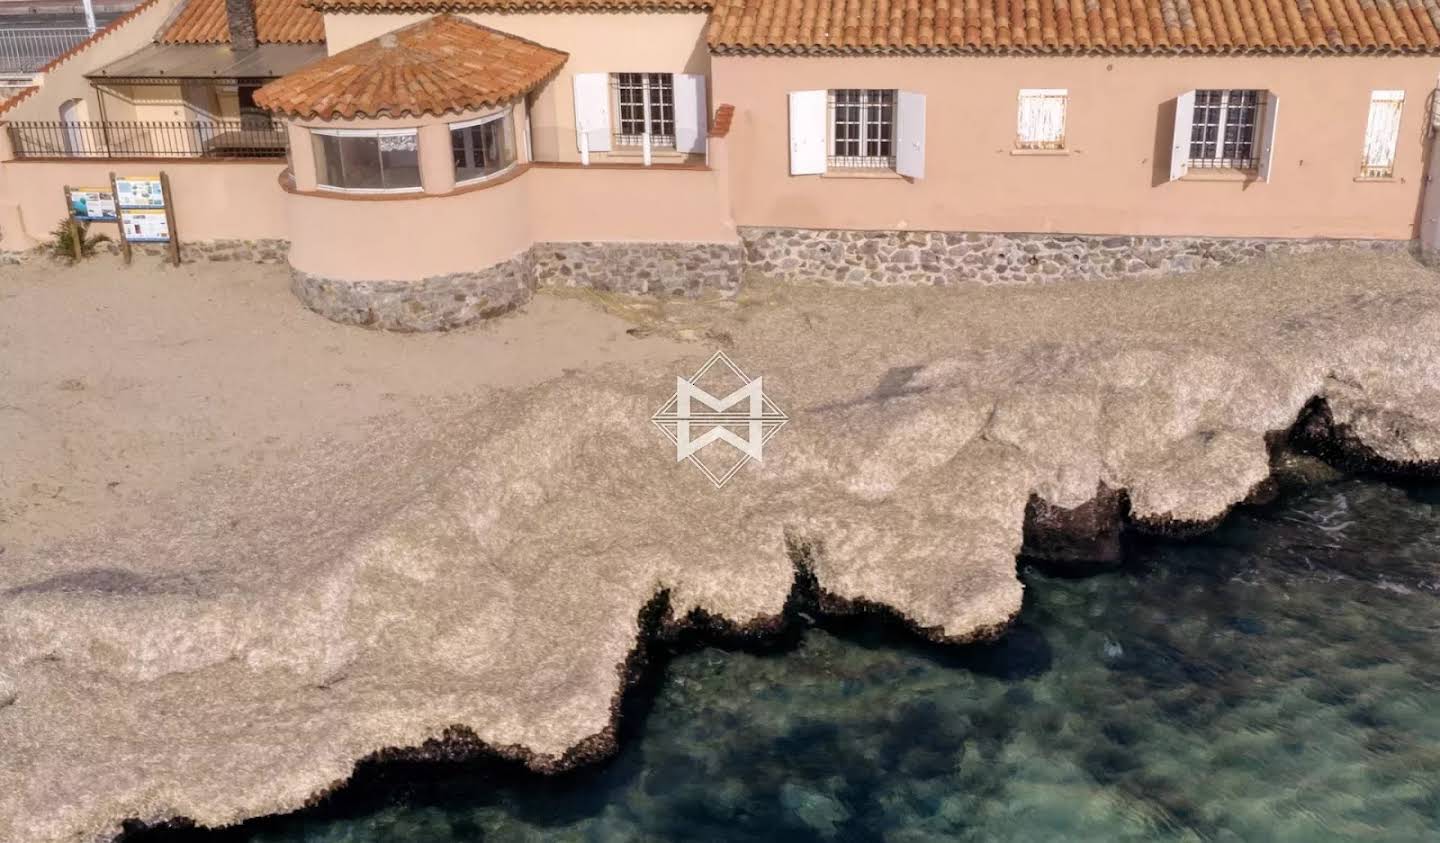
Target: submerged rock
(482,588)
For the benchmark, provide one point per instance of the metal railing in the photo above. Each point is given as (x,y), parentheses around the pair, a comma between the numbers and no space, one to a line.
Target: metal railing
(249,137)
(28,50)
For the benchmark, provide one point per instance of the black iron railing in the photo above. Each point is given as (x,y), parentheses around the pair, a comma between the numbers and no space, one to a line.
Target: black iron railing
(249,137)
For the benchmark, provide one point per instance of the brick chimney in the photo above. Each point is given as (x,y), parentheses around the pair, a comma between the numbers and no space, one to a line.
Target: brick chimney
(241,15)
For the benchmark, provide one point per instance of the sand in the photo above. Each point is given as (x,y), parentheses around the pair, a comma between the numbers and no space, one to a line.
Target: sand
(246,547)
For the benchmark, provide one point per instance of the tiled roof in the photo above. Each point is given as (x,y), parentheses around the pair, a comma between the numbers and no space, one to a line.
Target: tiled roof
(1074,26)
(276,22)
(439,65)
(505,5)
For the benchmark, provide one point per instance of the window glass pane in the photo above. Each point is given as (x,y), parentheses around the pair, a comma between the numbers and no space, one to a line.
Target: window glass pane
(360,157)
(328,168)
(483,149)
(400,160)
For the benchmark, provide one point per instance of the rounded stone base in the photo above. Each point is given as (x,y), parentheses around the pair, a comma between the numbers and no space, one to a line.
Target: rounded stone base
(438,303)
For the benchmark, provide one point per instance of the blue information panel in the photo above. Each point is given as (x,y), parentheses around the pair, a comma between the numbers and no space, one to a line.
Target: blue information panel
(92,204)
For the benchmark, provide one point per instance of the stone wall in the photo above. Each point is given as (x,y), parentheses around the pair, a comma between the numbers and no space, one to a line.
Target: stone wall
(253,251)
(879,258)
(661,269)
(438,303)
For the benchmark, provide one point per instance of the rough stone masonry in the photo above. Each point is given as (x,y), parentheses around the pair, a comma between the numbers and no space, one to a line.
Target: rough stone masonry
(945,258)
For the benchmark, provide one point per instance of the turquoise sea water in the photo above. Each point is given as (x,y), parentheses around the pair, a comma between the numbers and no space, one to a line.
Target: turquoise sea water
(1277,680)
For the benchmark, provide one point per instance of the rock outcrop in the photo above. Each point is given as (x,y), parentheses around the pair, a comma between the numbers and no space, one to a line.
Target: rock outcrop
(236,653)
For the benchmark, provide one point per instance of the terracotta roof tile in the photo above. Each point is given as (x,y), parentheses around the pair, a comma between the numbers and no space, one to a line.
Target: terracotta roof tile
(502,5)
(276,22)
(1081,26)
(720,127)
(439,65)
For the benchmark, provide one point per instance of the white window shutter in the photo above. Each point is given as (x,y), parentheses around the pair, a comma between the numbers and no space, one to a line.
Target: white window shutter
(807,133)
(1184,123)
(1382,133)
(1041,121)
(692,117)
(910,134)
(592,111)
(1267,133)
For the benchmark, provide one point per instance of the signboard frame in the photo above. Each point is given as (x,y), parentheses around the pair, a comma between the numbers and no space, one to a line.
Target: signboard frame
(167,206)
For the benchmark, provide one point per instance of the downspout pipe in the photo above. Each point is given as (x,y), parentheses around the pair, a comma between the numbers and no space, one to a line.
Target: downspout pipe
(1429,233)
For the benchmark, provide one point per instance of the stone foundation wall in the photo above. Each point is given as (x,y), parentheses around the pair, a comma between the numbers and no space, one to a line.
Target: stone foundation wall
(438,303)
(252,251)
(245,251)
(881,258)
(661,269)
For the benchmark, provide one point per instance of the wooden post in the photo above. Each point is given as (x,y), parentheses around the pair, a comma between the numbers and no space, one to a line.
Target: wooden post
(76,238)
(120,218)
(170,218)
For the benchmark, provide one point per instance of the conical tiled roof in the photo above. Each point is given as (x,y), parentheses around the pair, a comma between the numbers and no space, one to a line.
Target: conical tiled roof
(437,66)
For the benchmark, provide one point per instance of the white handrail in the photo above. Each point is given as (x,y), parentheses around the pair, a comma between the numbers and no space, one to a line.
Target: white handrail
(28,50)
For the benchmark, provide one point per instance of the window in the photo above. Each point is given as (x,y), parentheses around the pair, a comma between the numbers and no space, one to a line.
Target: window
(1041,124)
(862,128)
(386,160)
(1382,132)
(645,103)
(482,147)
(1225,128)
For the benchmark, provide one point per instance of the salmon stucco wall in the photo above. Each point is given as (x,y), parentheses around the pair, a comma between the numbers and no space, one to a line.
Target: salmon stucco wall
(213,200)
(1114,179)
(409,238)
(610,42)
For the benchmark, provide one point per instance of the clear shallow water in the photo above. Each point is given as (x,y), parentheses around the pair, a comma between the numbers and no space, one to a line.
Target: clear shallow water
(1277,680)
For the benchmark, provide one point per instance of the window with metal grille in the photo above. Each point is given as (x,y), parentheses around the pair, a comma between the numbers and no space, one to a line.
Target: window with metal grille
(862,128)
(1224,131)
(1041,123)
(645,104)
(1382,133)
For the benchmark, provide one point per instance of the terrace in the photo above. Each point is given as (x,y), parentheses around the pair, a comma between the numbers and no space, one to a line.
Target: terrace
(172,101)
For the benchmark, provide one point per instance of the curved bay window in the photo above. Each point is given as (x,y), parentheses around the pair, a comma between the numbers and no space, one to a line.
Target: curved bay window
(378,160)
(482,148)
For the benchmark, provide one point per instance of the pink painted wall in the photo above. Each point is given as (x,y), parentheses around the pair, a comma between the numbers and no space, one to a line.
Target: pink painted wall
(409,238)
(574,203)
(1115,178)
(212,200)
(418,236)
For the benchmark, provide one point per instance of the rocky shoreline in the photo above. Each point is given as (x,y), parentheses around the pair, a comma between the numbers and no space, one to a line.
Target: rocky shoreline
(482,591)
(1080,540)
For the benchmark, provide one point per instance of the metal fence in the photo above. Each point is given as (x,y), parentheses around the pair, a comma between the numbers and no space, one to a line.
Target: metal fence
(28,50)
(250,137)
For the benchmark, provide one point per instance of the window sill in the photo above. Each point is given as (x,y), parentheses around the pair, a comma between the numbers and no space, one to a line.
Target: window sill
(859,173)
(1376,178)
(1221,175)
(1040,152)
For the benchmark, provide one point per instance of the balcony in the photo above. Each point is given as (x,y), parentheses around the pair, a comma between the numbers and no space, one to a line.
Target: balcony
(24,51)
(250,137)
